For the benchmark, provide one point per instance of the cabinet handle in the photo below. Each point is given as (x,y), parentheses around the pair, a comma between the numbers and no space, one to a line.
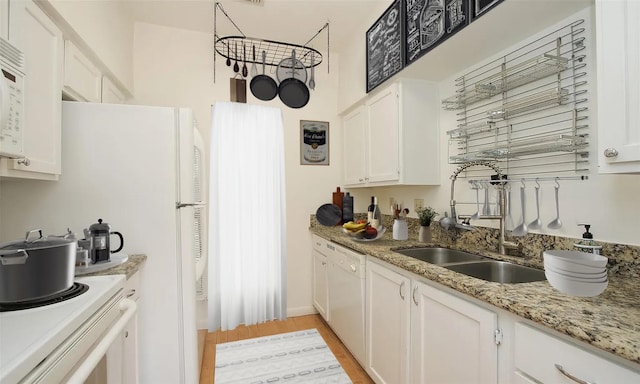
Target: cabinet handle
(131,293)
(413,295)
(401,286)
(26,162)
(324,263)
(361,179)
(570,376)
(610,152)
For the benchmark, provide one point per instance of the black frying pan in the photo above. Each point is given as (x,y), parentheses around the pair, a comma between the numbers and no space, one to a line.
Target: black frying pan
(293,92)
(262,86)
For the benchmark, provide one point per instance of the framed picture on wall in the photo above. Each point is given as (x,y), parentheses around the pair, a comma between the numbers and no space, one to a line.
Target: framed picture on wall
(314,142)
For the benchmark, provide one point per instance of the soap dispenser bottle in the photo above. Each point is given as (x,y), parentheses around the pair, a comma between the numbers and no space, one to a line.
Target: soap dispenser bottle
(587,244)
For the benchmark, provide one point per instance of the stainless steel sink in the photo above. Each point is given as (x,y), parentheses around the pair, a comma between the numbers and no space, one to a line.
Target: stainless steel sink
(440,256)
(499,272)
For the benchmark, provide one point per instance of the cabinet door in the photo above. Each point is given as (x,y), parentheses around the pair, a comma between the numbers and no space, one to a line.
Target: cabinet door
(111,94)
(384,130)
(82,79)
(388,295)
(618,64)
(355,157)
(41,41)
(320,284)
(541,356)
(452,340)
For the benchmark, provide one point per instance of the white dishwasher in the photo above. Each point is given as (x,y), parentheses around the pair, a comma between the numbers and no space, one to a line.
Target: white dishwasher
(346,298)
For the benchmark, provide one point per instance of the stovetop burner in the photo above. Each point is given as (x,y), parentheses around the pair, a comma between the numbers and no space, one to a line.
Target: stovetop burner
(76,290)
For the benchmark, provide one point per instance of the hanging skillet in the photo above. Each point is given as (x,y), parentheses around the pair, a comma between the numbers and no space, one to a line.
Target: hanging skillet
(292,91)
(262,86)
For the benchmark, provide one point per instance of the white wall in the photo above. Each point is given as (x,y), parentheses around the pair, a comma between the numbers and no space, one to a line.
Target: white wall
(608,202)
(175,67)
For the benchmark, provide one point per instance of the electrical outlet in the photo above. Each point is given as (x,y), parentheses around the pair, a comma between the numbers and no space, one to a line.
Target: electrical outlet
(418,204)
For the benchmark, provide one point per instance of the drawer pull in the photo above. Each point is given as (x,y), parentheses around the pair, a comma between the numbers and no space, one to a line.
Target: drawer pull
(401,294)
(570,376)
(131,293)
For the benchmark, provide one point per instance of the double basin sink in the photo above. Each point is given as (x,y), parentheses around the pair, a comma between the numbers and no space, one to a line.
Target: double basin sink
(475,266)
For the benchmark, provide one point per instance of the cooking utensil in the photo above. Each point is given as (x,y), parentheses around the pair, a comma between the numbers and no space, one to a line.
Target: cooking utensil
(100,242)
(262,86)
(245,71)
(556,223)
(329,215)
(35,268)
(236,67)
(521,229)
(508,220)
(535,224)
(293,92)
(254,69)
(486,210)
(291,67)
(312,82)
(228,57)
(477,214)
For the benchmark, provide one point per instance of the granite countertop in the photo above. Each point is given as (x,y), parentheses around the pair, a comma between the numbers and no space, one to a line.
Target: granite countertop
(610,321)
(128,268)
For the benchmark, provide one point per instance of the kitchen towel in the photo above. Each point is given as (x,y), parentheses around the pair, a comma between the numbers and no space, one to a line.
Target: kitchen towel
(295,357)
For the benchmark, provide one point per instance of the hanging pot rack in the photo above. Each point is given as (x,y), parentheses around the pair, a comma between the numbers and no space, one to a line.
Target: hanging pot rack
(276,51)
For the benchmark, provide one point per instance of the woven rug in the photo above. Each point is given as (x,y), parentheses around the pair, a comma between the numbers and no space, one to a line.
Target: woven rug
(295,357)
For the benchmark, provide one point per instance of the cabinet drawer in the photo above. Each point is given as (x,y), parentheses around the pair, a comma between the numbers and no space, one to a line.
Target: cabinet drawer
(132,287)
(537,354)
(322,245)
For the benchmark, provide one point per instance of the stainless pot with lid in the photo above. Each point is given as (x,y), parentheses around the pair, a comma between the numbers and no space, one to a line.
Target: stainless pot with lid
(36,267)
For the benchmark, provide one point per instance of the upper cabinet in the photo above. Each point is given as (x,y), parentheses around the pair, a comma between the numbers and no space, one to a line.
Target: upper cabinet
(393,138)
(618,61)
(31,31)
(82,79)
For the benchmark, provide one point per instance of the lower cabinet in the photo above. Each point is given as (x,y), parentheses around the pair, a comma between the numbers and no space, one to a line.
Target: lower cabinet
(122,357)
(543,358)
(320,276)
(452,340)
(387,321)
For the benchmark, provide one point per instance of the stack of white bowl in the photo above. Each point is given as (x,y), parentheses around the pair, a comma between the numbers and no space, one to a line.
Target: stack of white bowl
(576,273)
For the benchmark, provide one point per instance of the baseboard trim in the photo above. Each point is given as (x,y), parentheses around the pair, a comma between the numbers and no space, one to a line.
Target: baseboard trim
(301,311)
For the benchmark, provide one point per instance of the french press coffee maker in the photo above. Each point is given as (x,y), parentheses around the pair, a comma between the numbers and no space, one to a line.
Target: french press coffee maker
(100,234)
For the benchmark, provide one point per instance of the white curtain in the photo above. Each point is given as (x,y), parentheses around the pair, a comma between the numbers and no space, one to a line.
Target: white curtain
(247,216)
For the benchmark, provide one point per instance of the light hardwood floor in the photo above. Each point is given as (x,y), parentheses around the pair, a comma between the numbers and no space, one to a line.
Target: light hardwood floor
(348,362)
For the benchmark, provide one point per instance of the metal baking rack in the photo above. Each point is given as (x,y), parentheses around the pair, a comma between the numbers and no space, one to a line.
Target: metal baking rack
(527,110)
(240,48)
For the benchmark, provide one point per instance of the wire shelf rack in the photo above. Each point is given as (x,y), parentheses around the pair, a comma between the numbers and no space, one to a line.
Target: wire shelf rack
(240,48)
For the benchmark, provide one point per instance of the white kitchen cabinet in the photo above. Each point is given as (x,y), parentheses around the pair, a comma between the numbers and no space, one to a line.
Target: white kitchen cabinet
(452,340)
(387,324)
(320,283)
(31,31)
(111,94)
(354,127)
(122,356)
(618,69)
(4,20)
(540,357)
(82,79)
(399,129)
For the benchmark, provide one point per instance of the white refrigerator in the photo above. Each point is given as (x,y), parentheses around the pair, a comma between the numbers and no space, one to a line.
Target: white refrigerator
(134,167)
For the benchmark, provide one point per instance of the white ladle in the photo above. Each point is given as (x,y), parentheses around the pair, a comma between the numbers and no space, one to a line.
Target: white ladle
(556,223)
(486,209)
(537,223)
(521,229)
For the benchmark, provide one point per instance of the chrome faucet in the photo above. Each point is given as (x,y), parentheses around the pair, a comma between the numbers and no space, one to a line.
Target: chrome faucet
(451,222)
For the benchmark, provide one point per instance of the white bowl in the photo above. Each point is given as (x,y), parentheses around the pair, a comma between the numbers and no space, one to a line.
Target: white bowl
(599,279)
(575,288)
(586,276)
(551,258)
(577,257)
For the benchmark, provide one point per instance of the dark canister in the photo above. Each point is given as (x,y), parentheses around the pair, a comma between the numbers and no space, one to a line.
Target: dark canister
(100,242)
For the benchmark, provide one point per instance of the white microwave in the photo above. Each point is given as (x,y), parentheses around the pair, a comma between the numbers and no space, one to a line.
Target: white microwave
(12,71)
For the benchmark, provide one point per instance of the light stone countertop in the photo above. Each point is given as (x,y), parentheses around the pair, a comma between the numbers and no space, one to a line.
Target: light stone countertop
(610,321)
(128,268)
